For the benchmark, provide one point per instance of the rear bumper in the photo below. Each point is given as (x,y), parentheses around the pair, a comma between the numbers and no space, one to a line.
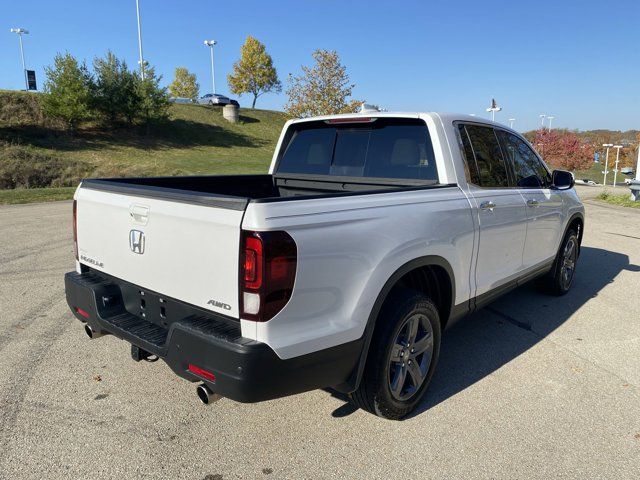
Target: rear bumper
(245,370)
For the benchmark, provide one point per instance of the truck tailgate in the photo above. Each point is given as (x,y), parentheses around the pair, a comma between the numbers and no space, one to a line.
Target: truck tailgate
(186,251)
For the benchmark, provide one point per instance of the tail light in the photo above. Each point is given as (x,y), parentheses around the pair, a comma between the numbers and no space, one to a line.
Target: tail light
(267,273)
(75,228)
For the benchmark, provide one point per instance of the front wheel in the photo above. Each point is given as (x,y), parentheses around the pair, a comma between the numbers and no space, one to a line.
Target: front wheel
(402,356)
(560,278)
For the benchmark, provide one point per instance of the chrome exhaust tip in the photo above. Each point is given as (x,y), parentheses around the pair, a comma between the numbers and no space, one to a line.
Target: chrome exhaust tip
(91,333)
(206,395)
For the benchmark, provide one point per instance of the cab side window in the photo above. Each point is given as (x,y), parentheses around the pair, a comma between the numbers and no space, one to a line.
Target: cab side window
(529,171)
(486,165)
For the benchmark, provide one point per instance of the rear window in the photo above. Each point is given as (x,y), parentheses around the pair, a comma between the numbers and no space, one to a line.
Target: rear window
(384,148)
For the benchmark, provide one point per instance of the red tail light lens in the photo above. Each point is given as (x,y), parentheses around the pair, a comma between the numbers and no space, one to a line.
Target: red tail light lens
(201,372)
(75,228)
(82,313)
(253,263)
(268,272)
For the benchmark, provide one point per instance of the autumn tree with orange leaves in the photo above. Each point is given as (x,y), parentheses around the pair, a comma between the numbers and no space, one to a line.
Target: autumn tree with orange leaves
(563,149)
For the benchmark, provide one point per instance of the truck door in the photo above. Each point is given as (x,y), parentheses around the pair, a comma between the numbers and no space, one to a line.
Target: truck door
(500,209)
(544,205)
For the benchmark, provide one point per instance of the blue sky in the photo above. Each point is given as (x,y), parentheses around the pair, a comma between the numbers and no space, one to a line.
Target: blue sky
(576,60)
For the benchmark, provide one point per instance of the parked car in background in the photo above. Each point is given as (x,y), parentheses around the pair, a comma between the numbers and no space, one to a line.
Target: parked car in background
(180,100)
(586,181)
(214,99)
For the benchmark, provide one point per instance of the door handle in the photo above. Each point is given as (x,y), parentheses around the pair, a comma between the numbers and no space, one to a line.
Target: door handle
(532,203)
(139,213)
(488,205)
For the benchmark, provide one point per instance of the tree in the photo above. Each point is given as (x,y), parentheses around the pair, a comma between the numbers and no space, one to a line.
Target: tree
(115,90)
(184,84)
(563,149)
(67,87)
(254,73)
(153,101)
(323,89)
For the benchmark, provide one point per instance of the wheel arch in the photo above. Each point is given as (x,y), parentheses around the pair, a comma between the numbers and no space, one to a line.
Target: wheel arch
(424,274)
(575,221)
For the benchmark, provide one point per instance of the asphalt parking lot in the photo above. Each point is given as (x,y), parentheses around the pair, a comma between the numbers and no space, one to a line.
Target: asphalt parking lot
(531,387)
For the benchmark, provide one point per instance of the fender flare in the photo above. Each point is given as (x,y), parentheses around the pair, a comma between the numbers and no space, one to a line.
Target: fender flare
(429,260)
(576,215)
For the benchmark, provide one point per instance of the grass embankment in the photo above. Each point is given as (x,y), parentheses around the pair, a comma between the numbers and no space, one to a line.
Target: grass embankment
(33,195)
(620,200)
(595,174)
(196,139)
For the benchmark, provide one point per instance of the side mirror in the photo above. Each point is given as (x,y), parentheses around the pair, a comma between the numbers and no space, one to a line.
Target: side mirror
(562,180)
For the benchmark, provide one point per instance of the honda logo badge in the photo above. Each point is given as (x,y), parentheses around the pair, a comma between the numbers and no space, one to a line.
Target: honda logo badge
(136,241)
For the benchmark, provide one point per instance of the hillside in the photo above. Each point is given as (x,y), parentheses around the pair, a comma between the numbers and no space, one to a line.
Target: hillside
(195,139)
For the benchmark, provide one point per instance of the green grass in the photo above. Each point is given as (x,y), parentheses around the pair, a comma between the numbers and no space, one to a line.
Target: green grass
(33,195)
(196,139)
(620,200)
(595,174)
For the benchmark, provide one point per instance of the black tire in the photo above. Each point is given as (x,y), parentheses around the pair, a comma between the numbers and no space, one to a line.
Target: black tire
(376,393)
(559,280)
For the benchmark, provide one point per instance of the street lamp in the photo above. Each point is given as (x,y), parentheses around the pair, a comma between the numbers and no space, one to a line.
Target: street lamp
(210,44)
(493,109)
(615,171)
(511,120)
(141,61)
(20,32)
(606,162)
(542,117)
(550,118)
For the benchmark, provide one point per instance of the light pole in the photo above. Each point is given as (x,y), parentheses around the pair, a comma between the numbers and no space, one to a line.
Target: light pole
(615,171)
(606,162)
(210,44)
(542,117)
(550,118)
(638,164)
(20,32)
(511,120)
(141,61)
(493,109)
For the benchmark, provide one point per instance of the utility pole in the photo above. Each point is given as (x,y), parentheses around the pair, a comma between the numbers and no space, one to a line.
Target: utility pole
(141,61)
(606,161)
(511,122)
(20,32)
(615,171)
(542,117)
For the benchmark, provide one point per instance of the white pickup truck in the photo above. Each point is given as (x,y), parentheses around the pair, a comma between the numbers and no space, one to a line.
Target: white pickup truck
(339,269)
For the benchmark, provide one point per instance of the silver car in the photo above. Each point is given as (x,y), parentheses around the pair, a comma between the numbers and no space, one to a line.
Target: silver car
(214,99)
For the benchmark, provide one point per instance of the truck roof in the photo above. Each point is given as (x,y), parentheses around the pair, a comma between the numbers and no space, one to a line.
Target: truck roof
(445,117)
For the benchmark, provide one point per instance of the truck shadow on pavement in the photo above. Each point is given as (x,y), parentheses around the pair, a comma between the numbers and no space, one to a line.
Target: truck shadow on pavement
(482,343)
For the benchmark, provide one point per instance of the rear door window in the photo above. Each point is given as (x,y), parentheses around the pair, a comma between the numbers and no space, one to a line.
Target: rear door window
(383,148)
(483,154)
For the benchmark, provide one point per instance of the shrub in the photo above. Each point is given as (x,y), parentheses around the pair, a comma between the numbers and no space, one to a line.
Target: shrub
(24,168)
(19,109)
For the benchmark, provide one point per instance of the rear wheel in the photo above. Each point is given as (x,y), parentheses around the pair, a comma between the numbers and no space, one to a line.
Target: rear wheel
(402,356)
(560,278)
